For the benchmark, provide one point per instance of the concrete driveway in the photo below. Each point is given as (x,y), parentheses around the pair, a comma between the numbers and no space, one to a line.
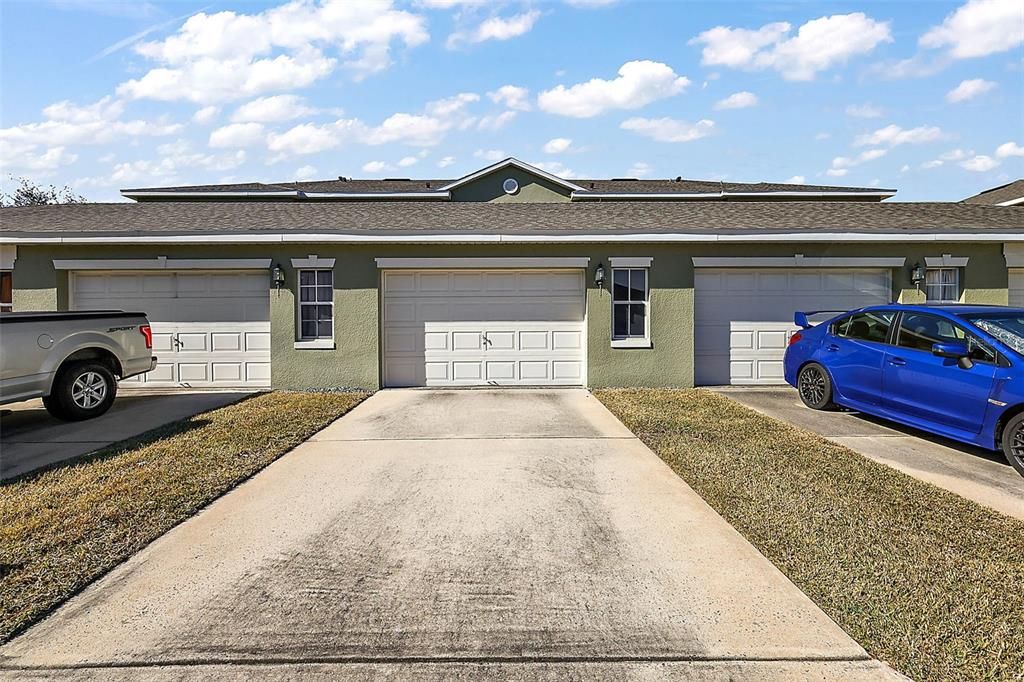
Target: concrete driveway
(30,438)
(979,475)
(450,534)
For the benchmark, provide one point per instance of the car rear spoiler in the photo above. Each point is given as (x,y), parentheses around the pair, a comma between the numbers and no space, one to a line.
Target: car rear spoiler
(800,318)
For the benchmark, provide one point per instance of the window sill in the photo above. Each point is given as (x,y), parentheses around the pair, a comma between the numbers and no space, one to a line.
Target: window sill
(315,344)
(631,343)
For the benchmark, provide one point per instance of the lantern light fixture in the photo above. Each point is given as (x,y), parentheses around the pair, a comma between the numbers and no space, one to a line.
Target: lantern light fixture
(917,274)
(599,275)
(277,276)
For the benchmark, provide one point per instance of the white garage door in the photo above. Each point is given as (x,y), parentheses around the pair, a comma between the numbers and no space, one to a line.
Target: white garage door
(483,327)
(209,328)
(1017,287)
(744,317)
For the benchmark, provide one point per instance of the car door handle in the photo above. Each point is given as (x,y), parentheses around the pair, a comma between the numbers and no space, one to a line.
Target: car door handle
(832,348)
(899,362)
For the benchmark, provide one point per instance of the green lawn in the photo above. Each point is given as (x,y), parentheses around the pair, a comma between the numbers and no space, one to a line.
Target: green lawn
(63,528)
(925,580)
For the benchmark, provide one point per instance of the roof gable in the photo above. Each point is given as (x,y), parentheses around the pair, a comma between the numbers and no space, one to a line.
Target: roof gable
(516,163)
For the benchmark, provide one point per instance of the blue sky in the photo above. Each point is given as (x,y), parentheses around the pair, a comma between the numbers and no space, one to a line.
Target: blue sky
(925,97)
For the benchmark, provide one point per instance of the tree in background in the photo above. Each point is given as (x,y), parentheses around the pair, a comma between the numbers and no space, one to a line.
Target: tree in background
(28,193)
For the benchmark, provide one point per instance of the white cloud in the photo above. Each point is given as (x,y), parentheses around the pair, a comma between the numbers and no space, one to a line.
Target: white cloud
(177,160)
(310,138)
(272,109)
(496,28)
(818,44)
(556,168)
(375,167)
(638,83)
(978,28)
(952,155)
(237,135)
(497,121)
(557,145)
(27,159)
(969,89)
(893,135)
(737,100)
(228,55)
(822,136)
(639,169)
(450,106)
(1008,149)
(669,129)
(305,173)
(412,129)
(446,161)
(69,124)
(866,110)
(205,115)
(842,164)
(490,154)
(979,163)
(796,180)
(407,161)
(587,4)
(511,96)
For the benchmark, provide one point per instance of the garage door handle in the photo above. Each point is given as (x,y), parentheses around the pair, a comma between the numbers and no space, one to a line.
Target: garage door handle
(899,362)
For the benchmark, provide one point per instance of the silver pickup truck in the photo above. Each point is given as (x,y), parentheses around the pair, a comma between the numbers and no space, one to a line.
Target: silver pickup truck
(72,360)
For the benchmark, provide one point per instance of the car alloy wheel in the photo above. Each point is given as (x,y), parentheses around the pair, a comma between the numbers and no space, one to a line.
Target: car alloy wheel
(1017,445)
(812,386)
(89,390)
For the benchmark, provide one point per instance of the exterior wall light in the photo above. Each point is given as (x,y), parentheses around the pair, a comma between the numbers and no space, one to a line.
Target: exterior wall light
(917,275)
(599,275)
(277,277)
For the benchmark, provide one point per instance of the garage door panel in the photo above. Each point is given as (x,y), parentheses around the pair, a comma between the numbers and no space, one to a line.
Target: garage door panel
(209,328)
(486,327)
(744,318)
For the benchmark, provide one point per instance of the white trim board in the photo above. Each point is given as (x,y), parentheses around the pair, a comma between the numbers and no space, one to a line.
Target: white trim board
(163,263)
(313,262)
(471,238)
(631,261)
(1012,202)
(798,261)
(479,263)
(1014,254)
(682,196)
(945,261)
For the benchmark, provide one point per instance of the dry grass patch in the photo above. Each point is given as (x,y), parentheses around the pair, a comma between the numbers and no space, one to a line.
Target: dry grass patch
(63,528)
(922,578)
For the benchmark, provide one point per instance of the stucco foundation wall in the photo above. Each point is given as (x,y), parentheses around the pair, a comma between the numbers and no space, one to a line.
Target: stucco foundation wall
(355,361)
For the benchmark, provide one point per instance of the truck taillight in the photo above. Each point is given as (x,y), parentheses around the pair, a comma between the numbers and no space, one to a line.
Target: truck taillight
(147,331)
(796,337)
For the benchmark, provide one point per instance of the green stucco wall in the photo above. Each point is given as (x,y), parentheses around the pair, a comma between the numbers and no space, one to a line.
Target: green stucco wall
(532,189)
(355,361)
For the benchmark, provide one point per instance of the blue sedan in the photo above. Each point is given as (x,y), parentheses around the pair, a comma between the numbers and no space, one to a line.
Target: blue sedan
(953,370)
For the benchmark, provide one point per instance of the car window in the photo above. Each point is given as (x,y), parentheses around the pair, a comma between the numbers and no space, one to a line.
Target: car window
(921,330)
(868,326)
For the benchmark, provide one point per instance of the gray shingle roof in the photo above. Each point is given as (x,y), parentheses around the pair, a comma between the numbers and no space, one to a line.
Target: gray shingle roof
(423,217)
(668,186)
(997,195)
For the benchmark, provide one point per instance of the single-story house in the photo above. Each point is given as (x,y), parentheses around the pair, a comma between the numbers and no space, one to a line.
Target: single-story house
(507,276)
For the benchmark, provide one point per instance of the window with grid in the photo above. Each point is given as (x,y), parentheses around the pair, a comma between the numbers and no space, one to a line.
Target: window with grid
(316,304)
(6,292)
(942,284)
(629,303)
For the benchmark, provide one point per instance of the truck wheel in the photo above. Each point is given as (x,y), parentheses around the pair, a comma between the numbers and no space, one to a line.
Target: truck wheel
(83,390)
(52,406)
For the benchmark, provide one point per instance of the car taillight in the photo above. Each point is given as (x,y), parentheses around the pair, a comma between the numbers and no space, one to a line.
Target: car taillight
(796,337)
(147,331)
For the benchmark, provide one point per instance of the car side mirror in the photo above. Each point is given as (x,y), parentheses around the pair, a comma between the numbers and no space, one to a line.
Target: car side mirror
(955,350)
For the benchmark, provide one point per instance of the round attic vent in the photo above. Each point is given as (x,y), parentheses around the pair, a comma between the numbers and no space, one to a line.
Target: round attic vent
(510,186)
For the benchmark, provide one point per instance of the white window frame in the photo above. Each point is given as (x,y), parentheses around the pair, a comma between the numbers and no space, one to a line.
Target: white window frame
(632,341)
(308,342)
(955,284)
